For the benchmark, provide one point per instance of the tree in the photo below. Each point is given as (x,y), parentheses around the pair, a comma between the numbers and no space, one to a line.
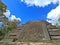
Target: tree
(3,19)
(6,25)
(12,25)
(58,23)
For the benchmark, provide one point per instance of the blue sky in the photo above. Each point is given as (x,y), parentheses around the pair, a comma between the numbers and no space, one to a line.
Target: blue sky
(27,10)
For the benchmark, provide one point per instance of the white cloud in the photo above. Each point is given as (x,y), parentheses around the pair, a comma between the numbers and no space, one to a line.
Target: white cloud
(11,17)
(14,17)
(40,3)
(54,15)
(7,13)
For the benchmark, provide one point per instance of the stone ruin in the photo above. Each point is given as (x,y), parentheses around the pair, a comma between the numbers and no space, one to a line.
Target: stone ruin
(34,31)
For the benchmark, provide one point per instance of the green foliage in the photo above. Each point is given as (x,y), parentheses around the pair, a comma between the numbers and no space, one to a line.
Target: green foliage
(2,34)
(8,26)
(57,24)
(7,29)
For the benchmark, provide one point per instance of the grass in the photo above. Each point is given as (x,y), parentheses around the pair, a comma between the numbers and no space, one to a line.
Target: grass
(29,43)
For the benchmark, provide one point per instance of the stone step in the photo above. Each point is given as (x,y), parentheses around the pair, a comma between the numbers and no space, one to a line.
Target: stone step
(7,40)
(54,33)
(53,30)
(55,38)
